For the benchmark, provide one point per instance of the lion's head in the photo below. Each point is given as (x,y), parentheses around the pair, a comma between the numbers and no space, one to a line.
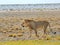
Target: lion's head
(25,23)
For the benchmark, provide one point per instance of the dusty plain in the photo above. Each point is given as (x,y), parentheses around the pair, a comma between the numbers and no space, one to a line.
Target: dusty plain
(11,29)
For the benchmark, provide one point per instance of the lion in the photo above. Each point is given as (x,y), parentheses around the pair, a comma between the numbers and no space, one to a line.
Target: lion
(34,25)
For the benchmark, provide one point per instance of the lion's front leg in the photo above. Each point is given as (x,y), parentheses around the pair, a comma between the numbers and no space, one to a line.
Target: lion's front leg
(30,33)
(36,33)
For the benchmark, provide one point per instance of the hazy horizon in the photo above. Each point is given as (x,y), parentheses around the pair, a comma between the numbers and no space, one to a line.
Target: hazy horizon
(28,4)
(28,1)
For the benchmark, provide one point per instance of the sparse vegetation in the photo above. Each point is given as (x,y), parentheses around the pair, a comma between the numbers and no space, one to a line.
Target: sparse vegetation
(10,25)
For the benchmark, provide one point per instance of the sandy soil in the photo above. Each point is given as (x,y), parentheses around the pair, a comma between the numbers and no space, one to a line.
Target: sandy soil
(11,29)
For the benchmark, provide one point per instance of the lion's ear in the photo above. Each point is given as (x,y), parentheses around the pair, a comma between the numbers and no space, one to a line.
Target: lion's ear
(28,20)
(25,19)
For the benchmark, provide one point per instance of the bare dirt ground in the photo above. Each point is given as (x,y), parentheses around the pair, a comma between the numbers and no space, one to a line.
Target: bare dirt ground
(11,29)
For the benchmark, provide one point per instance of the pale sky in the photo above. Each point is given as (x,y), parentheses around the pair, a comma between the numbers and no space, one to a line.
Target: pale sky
(28,1)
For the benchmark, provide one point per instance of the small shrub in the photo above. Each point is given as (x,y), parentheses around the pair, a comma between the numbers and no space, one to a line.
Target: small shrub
(4,31)
(19,35)
(10,35)
(16,28)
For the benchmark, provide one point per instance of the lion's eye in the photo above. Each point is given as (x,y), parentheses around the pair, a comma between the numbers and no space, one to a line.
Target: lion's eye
(23,23)
(23,26)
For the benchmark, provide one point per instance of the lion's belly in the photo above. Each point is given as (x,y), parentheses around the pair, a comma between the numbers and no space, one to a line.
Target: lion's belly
(40,27)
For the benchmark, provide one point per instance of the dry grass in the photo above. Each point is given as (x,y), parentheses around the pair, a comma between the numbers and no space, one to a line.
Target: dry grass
(32,42)
(11,24)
